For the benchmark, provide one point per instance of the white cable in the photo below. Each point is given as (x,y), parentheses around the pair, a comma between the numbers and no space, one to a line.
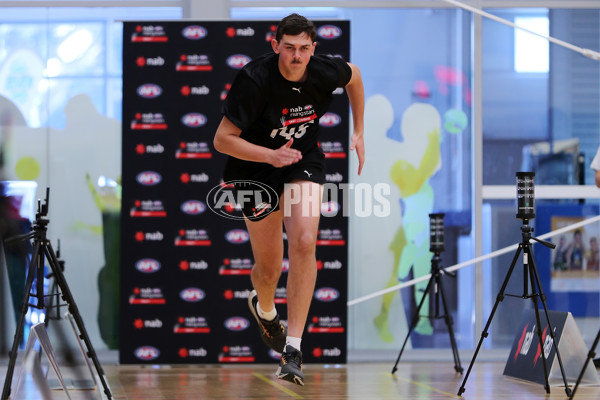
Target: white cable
(473,261)
(586,52)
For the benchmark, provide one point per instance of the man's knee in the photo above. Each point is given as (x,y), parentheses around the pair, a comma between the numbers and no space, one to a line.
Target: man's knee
(267,273)
(304,244)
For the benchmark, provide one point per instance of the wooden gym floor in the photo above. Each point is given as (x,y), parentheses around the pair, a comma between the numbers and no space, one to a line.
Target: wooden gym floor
(355,380)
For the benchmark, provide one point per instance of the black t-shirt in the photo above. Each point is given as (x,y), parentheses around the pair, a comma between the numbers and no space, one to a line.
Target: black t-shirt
(270,109)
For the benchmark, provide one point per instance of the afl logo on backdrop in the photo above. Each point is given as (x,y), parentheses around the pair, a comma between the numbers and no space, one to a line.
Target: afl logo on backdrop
(194,120)
(327,294)
(237,236)
(194,32)
(330,119)
(238,61)
(237,324)
(148,178)
(192,295)
(147,265)
(147,353)
(329,32)
(149,91)
(193,207)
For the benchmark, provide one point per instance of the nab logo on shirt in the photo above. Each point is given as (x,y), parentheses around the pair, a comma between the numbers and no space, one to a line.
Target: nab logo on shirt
(237,61)
(329,32)
(149,91)
(194,32)
(147,353)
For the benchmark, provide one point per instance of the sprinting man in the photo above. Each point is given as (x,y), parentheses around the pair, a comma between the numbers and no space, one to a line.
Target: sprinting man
(270,130)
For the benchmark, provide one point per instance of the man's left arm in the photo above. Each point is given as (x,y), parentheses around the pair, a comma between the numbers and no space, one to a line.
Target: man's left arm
(356,95)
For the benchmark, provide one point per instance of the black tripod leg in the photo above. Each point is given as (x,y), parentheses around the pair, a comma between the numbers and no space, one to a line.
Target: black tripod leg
(484,334)
(33,265)
(414,323)
(590,357)
(542,342)
(66,292)
(449,323)
(535,275)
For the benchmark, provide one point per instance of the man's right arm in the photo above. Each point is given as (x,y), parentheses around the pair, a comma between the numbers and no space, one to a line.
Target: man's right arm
(227,140)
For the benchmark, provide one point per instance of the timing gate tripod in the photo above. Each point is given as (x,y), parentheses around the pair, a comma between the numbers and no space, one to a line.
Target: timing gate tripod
(529,273)
(435,284)
(42,249)
(590,357)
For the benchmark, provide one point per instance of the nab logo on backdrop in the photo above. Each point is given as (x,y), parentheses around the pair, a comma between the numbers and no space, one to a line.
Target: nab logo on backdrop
(149,33)
(150,61)
(233,32)
(187,90)
(333,149)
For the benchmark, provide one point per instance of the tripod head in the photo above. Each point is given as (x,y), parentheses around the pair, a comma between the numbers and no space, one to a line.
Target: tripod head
(526,231)
(436,268)
(39,225)
(42,210)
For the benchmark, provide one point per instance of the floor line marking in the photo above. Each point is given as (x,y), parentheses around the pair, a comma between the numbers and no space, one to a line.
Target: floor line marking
(278,386)
(426,386)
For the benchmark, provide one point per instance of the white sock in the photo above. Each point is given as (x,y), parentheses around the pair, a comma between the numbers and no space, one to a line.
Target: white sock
(293,341)
(266,315)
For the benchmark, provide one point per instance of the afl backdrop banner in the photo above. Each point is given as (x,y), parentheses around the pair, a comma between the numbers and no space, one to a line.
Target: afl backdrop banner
(186,257)
(525,359)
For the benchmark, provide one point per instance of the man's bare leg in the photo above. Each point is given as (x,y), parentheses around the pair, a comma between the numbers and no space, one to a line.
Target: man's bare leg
(301,221)
(266,238)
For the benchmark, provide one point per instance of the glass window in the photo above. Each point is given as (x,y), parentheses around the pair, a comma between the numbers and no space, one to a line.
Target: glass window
(531,51)
(540,121)
(49,55)
(418,112)
(60,111)
(545,121)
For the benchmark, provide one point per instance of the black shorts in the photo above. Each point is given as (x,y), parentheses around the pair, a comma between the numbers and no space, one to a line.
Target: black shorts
(262,184)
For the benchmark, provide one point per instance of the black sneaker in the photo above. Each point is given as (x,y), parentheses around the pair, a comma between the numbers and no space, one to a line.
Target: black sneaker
(273,333)
(290,366)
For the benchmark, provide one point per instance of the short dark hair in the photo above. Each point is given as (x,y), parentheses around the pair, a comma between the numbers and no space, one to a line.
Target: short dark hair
(295,24)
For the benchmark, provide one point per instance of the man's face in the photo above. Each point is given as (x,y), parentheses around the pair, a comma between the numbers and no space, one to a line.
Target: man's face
(294,52)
